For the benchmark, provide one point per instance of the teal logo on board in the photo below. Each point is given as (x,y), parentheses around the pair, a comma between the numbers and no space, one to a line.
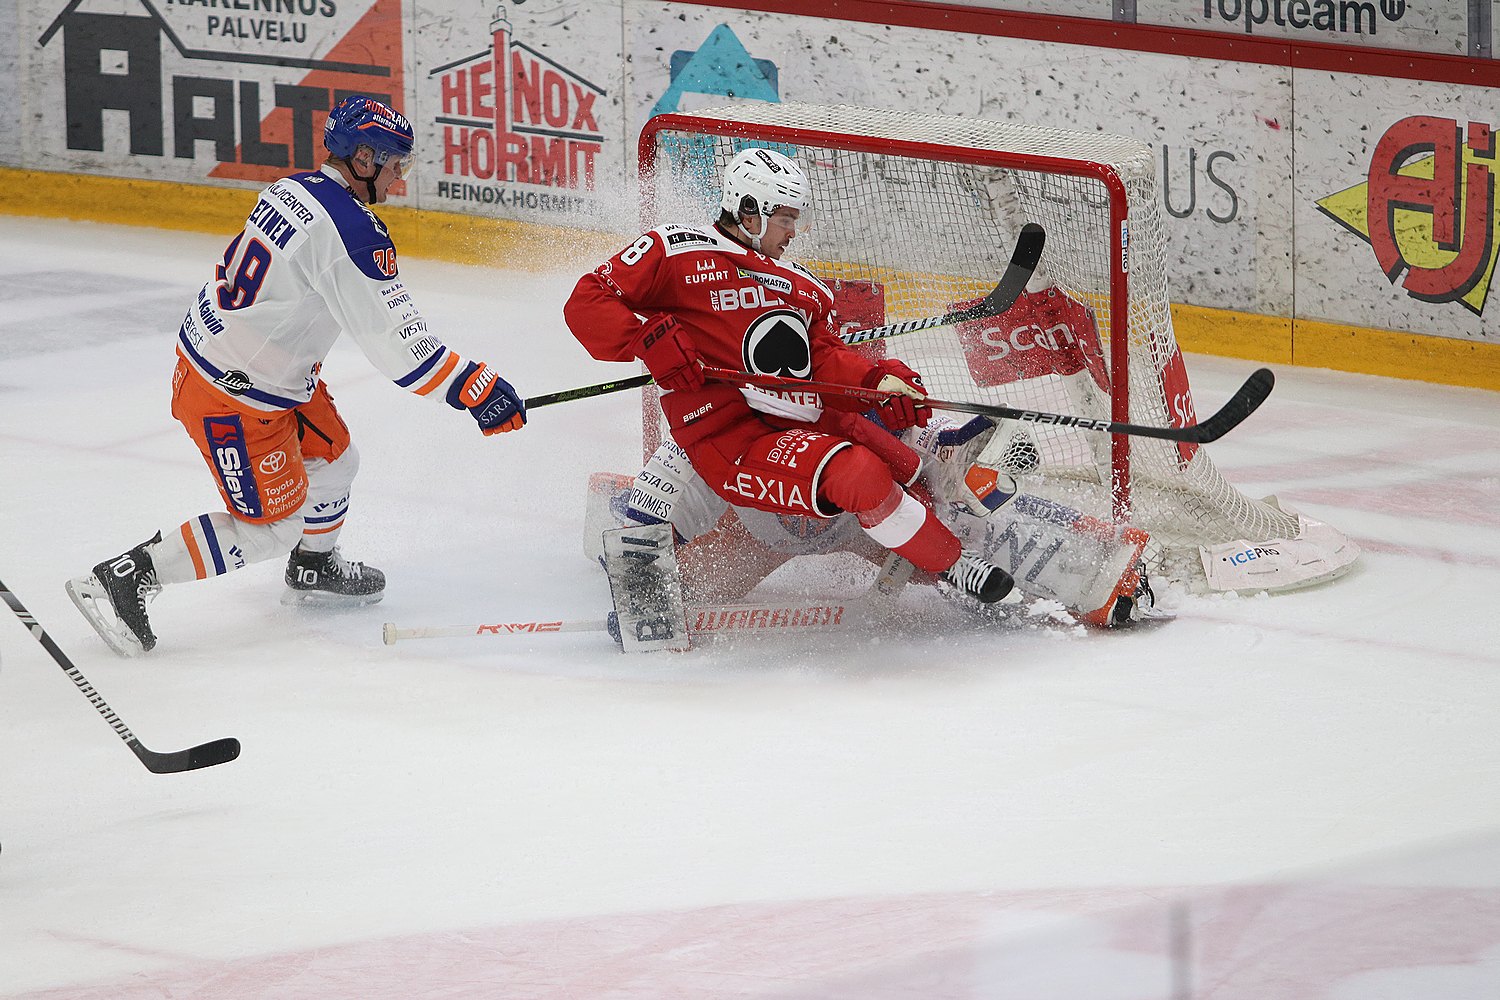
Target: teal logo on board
(720,67)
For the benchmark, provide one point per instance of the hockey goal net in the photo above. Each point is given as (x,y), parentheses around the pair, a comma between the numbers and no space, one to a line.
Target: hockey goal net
(916,214)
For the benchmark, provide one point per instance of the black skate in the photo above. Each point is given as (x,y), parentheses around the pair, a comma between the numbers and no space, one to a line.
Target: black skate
(979,579)
(113,598)
(329,578)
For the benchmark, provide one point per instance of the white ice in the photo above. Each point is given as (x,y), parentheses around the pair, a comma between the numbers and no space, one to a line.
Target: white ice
(1278,798)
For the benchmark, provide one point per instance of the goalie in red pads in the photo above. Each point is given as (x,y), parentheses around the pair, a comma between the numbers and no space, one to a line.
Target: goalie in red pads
(723,296)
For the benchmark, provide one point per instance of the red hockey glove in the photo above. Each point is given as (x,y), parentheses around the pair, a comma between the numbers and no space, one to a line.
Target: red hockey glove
(904,408)
(669,355)
(488,398)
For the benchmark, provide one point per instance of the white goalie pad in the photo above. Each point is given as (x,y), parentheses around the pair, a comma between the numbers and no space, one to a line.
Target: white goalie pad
(606,507)
(668,489)
(1317,554)
(641,561)
(1062,554)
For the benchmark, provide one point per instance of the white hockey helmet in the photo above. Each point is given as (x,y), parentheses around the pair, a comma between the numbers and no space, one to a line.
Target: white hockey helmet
(767,180)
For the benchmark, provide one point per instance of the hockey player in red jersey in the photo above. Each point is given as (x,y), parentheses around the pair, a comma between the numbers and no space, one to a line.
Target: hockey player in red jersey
(312,262)
(725,297)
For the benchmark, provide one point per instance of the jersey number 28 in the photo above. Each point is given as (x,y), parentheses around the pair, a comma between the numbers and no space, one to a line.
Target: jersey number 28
(239,288)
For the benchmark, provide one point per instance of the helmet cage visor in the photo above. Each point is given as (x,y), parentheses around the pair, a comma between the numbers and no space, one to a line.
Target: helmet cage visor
(403,165)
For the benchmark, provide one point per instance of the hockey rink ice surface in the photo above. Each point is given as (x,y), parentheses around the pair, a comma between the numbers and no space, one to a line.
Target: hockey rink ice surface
(1280,798)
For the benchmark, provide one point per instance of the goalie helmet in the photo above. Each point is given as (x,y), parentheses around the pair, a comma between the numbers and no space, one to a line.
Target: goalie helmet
(363,121)
(759,181)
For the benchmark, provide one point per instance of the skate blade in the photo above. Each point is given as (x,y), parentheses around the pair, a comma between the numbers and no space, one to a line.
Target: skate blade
(1149,619)
(323,599)
(88,597)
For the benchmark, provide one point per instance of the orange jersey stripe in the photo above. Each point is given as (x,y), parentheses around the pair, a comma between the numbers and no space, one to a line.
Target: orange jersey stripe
(443,372)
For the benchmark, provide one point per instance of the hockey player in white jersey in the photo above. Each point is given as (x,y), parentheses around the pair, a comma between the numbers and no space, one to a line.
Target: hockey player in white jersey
(312,262)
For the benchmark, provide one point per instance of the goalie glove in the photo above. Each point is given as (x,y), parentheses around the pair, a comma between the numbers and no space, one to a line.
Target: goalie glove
(957,463)
(489,399)
(669,355)
(903,409)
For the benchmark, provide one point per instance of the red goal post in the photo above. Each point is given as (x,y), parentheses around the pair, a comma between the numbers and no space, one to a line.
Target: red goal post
(915,214)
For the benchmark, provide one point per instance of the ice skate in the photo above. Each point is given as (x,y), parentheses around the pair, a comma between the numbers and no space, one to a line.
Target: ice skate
(114,596)
(979,579)
(328,578)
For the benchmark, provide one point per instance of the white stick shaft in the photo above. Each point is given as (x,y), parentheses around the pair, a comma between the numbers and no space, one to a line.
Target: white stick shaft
(391,633)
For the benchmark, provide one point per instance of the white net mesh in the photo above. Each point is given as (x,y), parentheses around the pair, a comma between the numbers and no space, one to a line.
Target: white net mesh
(916,213)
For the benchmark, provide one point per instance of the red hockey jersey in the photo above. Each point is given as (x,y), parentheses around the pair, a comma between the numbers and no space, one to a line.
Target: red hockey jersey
(742,309)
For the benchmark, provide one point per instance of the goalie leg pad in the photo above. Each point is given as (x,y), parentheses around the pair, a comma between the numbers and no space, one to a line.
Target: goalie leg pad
(1055,552)
(670,489)
(641,562)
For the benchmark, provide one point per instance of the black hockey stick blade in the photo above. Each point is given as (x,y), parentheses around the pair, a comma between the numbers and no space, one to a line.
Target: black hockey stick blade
(1244,402)
(203,755)
(1023,262)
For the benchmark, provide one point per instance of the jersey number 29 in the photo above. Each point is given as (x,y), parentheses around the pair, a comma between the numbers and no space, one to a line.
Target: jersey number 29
(240,289)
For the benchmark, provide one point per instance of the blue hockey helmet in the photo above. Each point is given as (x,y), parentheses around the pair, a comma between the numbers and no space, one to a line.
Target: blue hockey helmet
(363,121)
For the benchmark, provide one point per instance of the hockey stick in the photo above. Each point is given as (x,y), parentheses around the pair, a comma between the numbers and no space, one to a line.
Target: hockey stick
(1243,403)
(711,619)
(586,391)
(706,619)
(204,755)
(1023,262)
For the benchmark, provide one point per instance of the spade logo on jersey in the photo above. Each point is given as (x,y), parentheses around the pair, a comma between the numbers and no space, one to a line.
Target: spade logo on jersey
(777,344)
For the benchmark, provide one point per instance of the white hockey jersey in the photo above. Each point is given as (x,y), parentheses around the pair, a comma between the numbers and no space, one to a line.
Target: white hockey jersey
(312,262)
